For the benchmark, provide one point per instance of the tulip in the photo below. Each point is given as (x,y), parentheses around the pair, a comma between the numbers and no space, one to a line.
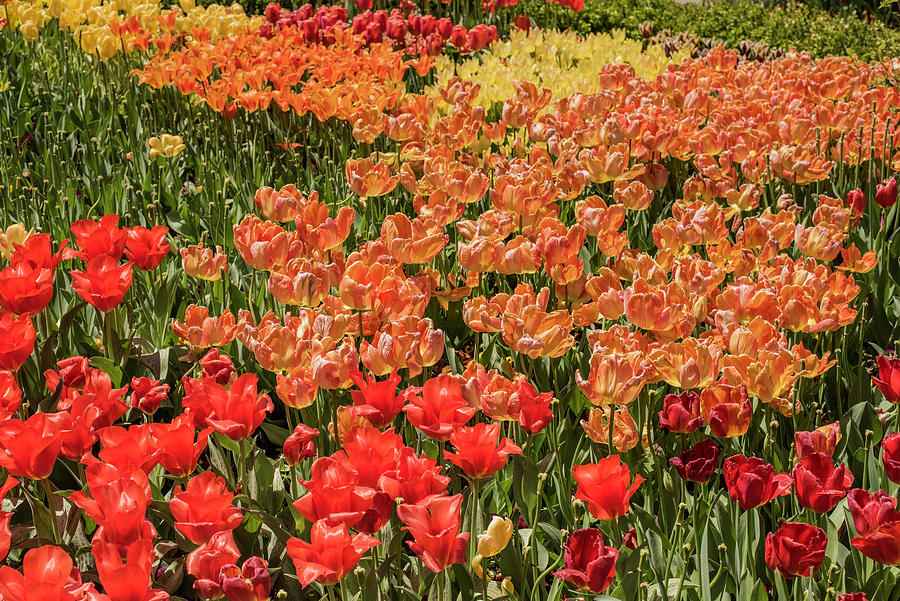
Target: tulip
(681,412)
(204,508)
(588,563)
(236,411)
(376,401)
(128,447)
(17,336)
(495,537)
(534,408)
(131,579)
(147,394)
(203,263)
(435,531)
(10,395)
(796,549)
(856,202)
(146,248)
(165,145)
(250,582)
(752,482)
(698,463)
(480,450)
(852,597)
(205,563)
(415,479)
(888,379)
(330,555)
(25,289)
(103,238)
(5,516)
(45,574)
(606,487)
(820,440)
(179,452)
(886,193)
(333,493)
(877,523)
(299,445)
(819,484)
(440,409)
(726,409)
(29,449)
(103,283)
(217,367)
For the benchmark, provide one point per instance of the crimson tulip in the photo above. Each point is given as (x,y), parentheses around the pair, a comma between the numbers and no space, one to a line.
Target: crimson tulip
(819,484)
(886,193)
(752,482)
(590,565)
(299,445)
(147,394)
(250,582)
(796,549)
(681,412)
(877,523)
(890,456)
(698,463)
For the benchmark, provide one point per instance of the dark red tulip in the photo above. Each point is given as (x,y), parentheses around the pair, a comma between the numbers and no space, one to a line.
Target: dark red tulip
(147,394)
(886,193)
(820,440)
(890,456)
(589,564)
(300,445)
(250,582)
(698,463)
(877,522)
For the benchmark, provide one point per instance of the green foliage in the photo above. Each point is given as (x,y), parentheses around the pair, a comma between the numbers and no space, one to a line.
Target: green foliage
(796,25)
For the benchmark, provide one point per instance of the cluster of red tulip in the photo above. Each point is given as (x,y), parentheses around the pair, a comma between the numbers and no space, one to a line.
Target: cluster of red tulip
(415,34)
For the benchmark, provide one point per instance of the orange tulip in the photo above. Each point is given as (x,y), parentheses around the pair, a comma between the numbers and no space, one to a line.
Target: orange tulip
(201,331)
(203,263)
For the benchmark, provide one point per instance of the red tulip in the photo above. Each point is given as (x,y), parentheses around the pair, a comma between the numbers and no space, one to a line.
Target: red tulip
(852,597)
(217,367)
(698,463)
(119,504)
(414,479)
(434,527)
(856,202)
(890,455)
(333,494)
(129,447)
(205,563)
(10,395)
(37,251)
(147,394)
(103,283)
(796,549)
(299,445)
(480,450)
(17,337)
(5,517)
(589,564)
(888,379)
(440,409)
(886,193)
(820,440)
(235,412)
(377,402)
(250,582)
(103,238)
(681,412)
(752,482)
(534,408)
(371,452)
(204,508)
(330,554)
(29,449)
(146,248)
(132,579)
(606,487)
(25,289)
(819,484)
(45,572)
(178,451)
(877,522)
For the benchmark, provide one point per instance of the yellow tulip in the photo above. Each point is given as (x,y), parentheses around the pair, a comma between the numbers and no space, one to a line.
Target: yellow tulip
(166,145)
(496,537)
